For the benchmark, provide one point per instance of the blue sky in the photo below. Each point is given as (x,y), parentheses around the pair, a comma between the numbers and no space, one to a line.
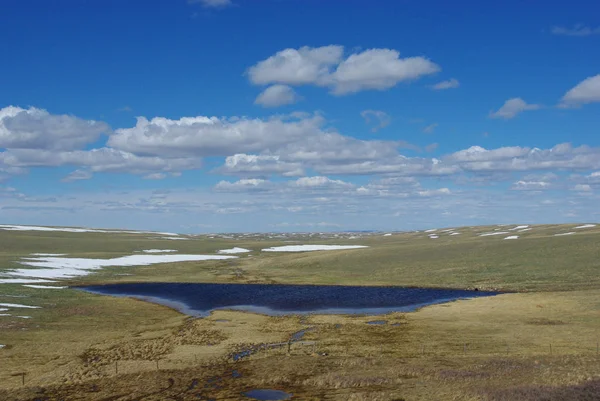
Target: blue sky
(298,115)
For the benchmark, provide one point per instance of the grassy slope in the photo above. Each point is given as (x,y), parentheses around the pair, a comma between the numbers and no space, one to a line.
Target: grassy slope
(70,322)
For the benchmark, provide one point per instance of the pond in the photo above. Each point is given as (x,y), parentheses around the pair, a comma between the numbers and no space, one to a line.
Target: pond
(267,395)
(197,299)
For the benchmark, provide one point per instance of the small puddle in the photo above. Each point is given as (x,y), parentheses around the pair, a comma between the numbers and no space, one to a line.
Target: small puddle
(268,395)
(378,322)
(235,374)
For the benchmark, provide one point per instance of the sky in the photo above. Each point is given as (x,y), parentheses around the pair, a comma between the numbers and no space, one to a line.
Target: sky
(201,116)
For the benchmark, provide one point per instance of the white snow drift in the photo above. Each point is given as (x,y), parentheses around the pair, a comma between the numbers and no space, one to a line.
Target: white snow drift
(54,267)
(309,248)
(24,281)
(159,250)
(494,233)
(20,306)
(512,237)
(586,226)
(562,234)
(44,287)
(234,250)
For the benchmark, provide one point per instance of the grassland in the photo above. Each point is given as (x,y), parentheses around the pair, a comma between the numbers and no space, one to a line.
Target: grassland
(540,340)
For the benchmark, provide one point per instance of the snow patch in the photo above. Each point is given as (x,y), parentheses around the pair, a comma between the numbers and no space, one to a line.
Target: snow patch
(309,248)
(454,233)
(44,287)
(562,234)
(525,229)
(387,235)
(48,254)
(24,280)
(234,250)
(20,306)
(586,226)
(494,233)
(512,237)
(430,231)
(2,345)
(518,228)
(159,250)
(53,267)
(434,237)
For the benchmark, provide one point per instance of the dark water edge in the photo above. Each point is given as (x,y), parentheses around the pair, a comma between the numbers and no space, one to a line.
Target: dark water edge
(199,299)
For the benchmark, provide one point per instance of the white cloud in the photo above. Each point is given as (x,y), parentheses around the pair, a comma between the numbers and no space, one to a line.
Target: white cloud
(587,91)
(378,69)
(380,118)
(577,30)
(512,107)
(531,186)
(255,165)
(430,128)
(277,95)
(37,129)
(303,66)
(97,160)
(78,175)
(155,176)
(320,182)
(434,192)
(582,188)
(432,147)
(449,84)
(212,3)
(243,185)
(211,136)
(372,69)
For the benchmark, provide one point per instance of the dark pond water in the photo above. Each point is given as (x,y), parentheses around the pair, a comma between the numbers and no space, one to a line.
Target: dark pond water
(267,395)
(377,322)
(273,299)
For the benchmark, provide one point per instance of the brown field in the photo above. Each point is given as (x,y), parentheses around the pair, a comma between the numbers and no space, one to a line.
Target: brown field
(537,343)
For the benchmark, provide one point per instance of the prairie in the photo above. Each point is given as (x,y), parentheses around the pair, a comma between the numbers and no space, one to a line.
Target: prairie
(539,340)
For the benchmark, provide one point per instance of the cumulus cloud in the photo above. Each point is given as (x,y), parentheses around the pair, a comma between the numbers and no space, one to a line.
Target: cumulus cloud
(512,107)
(449,84)
(577,30)
(256,165)
(320,182)
(302,66)
(531,185)
(211,136)
(277,95)
(587,91)
(371,69)
(244,185)
(434,192)
(379,118)
(37,129)
(378,69)
(97,160)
